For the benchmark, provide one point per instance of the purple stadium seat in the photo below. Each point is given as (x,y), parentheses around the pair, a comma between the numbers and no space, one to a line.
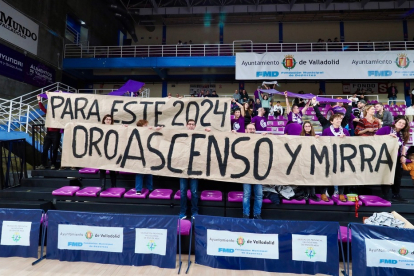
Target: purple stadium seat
(133,194)
(235,196)
(294,201)
(185,227)
(209,195)
(271,118)
(372,200)
(343,237)
(89,171)
(66,191)
(89,192)
(267,201)
(178,194)
(280,118)
(314,118)
(272,123)
(281,123)
(161,194)
(335,198)
(113,192)
(312,202)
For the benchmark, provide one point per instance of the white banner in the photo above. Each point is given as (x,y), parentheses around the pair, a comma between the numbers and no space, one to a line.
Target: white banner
(325,65)
(18,29)
(239,244)
(309,248)
(365,88)
(90,238)
(150,241)
(385,253)
(16,233)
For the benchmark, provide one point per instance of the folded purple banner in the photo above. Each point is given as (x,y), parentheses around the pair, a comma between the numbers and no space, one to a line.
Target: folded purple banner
(129,86)
(305,96)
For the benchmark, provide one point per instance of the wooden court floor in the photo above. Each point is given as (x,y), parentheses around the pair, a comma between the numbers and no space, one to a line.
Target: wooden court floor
(16,266)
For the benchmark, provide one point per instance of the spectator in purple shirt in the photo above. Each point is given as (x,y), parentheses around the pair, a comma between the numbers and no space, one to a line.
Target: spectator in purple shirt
(237,123)
(400,130)
(260,121)
(295,115)
(308,130)
(292,129)
(338,131)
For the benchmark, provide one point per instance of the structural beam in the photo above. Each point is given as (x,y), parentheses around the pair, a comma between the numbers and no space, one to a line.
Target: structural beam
(327,3)
(400,2)
(292,3)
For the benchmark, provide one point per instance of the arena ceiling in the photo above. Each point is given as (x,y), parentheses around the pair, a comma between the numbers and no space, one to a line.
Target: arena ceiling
(176,12)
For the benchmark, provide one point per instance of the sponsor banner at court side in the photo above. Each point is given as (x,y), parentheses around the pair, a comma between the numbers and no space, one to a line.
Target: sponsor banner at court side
(309,248)
(238,244)
(231,157)
(172,113)
(150,241)
(90,238)
(389,253)
(16,233)
(18,29)
(325,65)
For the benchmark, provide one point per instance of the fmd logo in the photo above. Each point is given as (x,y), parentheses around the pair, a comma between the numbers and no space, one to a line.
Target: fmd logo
(75,244)
(385,73)
(385,261)
(266,74)
(226,250)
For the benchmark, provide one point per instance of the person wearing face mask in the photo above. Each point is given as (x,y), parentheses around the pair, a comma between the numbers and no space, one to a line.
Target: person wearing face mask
(335,130)
(107,120)
(368,125)
(294,114)
(401,131)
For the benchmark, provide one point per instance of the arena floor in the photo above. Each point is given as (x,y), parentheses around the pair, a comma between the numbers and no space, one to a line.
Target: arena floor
(17,266)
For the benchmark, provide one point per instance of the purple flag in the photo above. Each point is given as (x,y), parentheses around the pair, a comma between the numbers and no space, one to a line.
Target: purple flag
(129,86)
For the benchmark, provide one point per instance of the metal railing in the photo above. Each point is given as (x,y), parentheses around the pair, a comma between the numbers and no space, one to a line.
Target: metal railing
(18,113)
(196,50)
(144,93)
(13,162)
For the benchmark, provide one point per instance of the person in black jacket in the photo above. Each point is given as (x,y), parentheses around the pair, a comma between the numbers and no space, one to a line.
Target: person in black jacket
(325,122)
(392,94)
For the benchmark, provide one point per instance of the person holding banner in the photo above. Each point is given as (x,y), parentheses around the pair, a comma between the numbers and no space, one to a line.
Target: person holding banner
(237,123)
(400,130)
(260,121)
(139,178)
(335,130)
(51,140)
(368,125)
(295,114)
(107,120)
(308,130)
(191,125)
(266,103)
(257,188)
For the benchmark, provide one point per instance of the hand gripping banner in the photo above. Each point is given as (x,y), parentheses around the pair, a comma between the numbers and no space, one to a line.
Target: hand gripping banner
(302,247)
(122,239)
(19,230)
